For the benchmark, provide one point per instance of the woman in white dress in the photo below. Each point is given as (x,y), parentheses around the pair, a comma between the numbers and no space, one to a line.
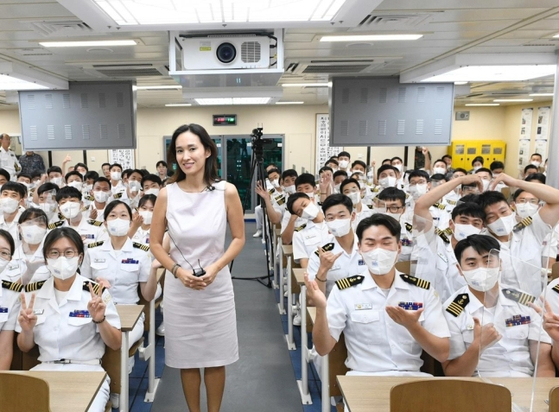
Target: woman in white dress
(200,323)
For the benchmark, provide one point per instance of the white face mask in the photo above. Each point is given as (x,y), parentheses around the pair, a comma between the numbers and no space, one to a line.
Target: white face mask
(481,279)
(503,226)
(63,267)
(485,184)
(337,188)
(418,190)
(8,205)
(524,210)
(355,197)
(101,196)
(116,175)
(385,182)
(289,189)
(76,184)
(399,167)
(88,188)
(439,170)
(3,264)
(394,215)
(147,215)
(57,181)
(153,191)
(476,168)
(48,208)
(70,209)
(535,163)
(310,212)
(134,186)
(339,227)
(379,261)
(343,164)
(461,232)
(33,234)
(118,227)
(275,183)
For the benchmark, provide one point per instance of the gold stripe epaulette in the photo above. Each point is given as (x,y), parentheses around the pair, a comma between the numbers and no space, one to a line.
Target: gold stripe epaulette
(420,283)
(327,248)
(376,189)
(16,287)
(55,224)
(32,287)
(439,206)
(89,198)
(458,304)
(117,195)
(95,286)
(141,246)
(442,235)
(527,221)
(299,228)
(451,202)
(350,281)
(94,222)
(518,296)
(280,200)
(556,288)
(95,244)
(409,227)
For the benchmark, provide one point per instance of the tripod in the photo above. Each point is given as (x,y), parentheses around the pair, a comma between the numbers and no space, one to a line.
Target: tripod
(257,167)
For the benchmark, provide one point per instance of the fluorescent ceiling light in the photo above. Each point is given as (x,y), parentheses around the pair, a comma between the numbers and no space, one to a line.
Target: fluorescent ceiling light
(91,43)
(372,37)
(512,100)
(158,87)
(232,100)
(556,36)
(305,84)
(540,94)
(177,104)
(145,12)
(482,104)
(494,73)
(290,102)
(460,83)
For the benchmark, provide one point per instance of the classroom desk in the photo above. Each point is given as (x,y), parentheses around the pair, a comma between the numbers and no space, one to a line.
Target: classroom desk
(129,315)
(372,393)
(69,391)
(303,384)
(324,372)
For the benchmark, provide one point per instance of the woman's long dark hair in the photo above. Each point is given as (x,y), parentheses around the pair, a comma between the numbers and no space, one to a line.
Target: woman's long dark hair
(210,167)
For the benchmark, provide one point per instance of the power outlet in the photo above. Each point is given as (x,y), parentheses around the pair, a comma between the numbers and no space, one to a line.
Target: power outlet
(465,115)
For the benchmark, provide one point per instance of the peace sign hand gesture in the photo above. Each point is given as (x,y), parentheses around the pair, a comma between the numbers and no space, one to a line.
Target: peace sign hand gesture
(96,306)
(27,319)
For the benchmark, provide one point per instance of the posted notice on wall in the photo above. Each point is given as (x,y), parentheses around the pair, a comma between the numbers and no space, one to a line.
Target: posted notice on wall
(542,131)
(525,137)
(323,149)
(124,157)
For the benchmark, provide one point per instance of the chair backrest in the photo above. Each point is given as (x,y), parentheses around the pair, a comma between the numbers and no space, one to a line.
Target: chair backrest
(506,192)
(554,399)
(554,271)
(23,393)
(449,395)
(404,267)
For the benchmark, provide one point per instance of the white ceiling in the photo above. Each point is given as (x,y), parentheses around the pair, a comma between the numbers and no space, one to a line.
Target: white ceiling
(448,26)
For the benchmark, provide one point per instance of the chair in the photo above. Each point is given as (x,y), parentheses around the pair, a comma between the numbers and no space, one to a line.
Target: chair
(403,267)
(23,393)
(449,395)
(506,192)
(554,399)
(554,272)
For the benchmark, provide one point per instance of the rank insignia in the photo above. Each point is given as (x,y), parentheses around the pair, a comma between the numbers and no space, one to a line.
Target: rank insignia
(94,285)
(527,221)
(16,287)
(409,227)
(328,247)
(32,287)
(520,297)
(141,246)
(94,222)
(55,224)
(517,320)
(350,281)
(420,283)
(80,314)
(458,304)
(411,305)
(299,228)
(556,288)
(95,244)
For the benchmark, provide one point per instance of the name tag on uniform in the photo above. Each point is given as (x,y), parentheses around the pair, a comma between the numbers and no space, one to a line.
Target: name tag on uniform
(443,257)
(96,260)
(129,261)
(411,305)
(517,320)
(361,262)
(12,267)
(3,310)
(80,314)
(363,306)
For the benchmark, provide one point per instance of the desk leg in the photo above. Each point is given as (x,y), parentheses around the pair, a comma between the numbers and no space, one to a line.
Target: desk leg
(124,373)
(275,249)
(324,377)
(290,342)
(281,305)
(304,382)
(152,382)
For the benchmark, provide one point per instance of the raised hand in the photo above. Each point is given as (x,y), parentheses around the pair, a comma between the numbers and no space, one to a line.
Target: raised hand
(327,259)
(550,320)
(487,335)
(262,192)
(96,306)
(406,318)
(27,318)
(314,294)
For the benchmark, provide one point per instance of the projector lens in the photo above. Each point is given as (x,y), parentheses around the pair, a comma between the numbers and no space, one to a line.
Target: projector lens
(226,52)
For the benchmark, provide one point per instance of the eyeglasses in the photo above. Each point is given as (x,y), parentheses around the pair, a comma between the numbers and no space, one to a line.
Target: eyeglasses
(531,201)
(5,254)
(55,254)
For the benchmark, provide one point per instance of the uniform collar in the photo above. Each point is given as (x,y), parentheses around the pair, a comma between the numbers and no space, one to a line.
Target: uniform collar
(355,246)
(369,283)
(127,247)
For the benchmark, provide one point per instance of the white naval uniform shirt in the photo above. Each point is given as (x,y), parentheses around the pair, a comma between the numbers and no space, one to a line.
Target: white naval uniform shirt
(142,236)
(9,309)
(119,193)
(552,296)
(59,333)
(346,265)
(359,216)
(375,343)
(11,227)
(510,356)
(9,162)
(90,233)
(285,220)
(123,269)
(17,267)
(307,240)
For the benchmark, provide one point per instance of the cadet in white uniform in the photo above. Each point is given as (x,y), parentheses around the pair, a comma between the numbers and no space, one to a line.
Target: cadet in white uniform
(12,196)
(304,183)
(8,159)
(393,203)
(118,187)
(141,224)
(492,319)
(69,318)
(9,303)
(387,318)
(352,189)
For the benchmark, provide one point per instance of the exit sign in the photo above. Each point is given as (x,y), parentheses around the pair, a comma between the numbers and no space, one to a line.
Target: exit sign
(225,119)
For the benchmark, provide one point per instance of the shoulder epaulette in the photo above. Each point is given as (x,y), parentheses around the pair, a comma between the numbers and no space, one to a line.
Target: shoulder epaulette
(117,195)
(280,200)
(55,224)
(95,244)
(409,227)
(141,246)
(271,191)
(370,206)
(350,281)
(95,286)
(16,287)
(556,288)
(442,235)
(61,216)
(94,222)
(89,197)
(327,248)
(518,296)
(420,283)
(32,287)
(439,206)
(527,221)
(451,202)
(458,304)
(299,228)
(376,189)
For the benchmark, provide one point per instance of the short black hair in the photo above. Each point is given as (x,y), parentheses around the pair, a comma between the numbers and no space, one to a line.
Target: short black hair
(516,194)
(470,209)
(305,178)
(386,167)
(47,187)
(480,243)
(396,158)
(63,232)
(151,178)
(82,165)
(540,177)
(293,198)
(73,173)
(102,179)
(459,169)
(26,175)
(446,156)
(274,170)
(33,213)
(5,173)
(490,198)
(7,235)
(325,169)
(340,173)
(536,154)
(496,165)
(477,159)
(419,173)
(359,163)
(344,153)
(385,160)
(105,164)
(337,199)
(20,189)
(68,192)
(147,198)
(162,163)
(116,165)
(530,166)
(379,219)
(54,169)
(126,173)
(347,182)
(109,208)
(332,160)
(484,169)
(470,197)
(92,174)
(289,173)
(439,161)
(392,194)
(439,176)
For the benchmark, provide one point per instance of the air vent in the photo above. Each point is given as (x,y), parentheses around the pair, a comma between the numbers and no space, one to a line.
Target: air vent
(30,52)
(250,52)
(65,27)
(126,70)
(349,68)
(390,20)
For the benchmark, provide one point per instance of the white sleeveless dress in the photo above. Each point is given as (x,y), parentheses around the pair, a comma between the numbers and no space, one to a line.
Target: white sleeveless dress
(200,325)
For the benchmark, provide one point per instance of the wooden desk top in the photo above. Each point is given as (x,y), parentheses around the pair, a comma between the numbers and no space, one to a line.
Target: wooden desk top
(129,315)
(299,274)
(287,249)
(372,393)
(312,313)
(69,391)
(277,231)
(160,273)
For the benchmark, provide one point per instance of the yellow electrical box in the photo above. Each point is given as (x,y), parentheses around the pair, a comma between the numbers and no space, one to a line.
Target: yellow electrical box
(463,152)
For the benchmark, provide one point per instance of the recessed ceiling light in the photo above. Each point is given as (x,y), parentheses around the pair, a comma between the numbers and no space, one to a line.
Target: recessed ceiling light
(92,43)
(494,73)
(232,100)
(482,104)
(372,37)
(305,84)
(540,94)
(178,105)
(290,102)
(169,87)
(460,83)
(513,100)
(556,36)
